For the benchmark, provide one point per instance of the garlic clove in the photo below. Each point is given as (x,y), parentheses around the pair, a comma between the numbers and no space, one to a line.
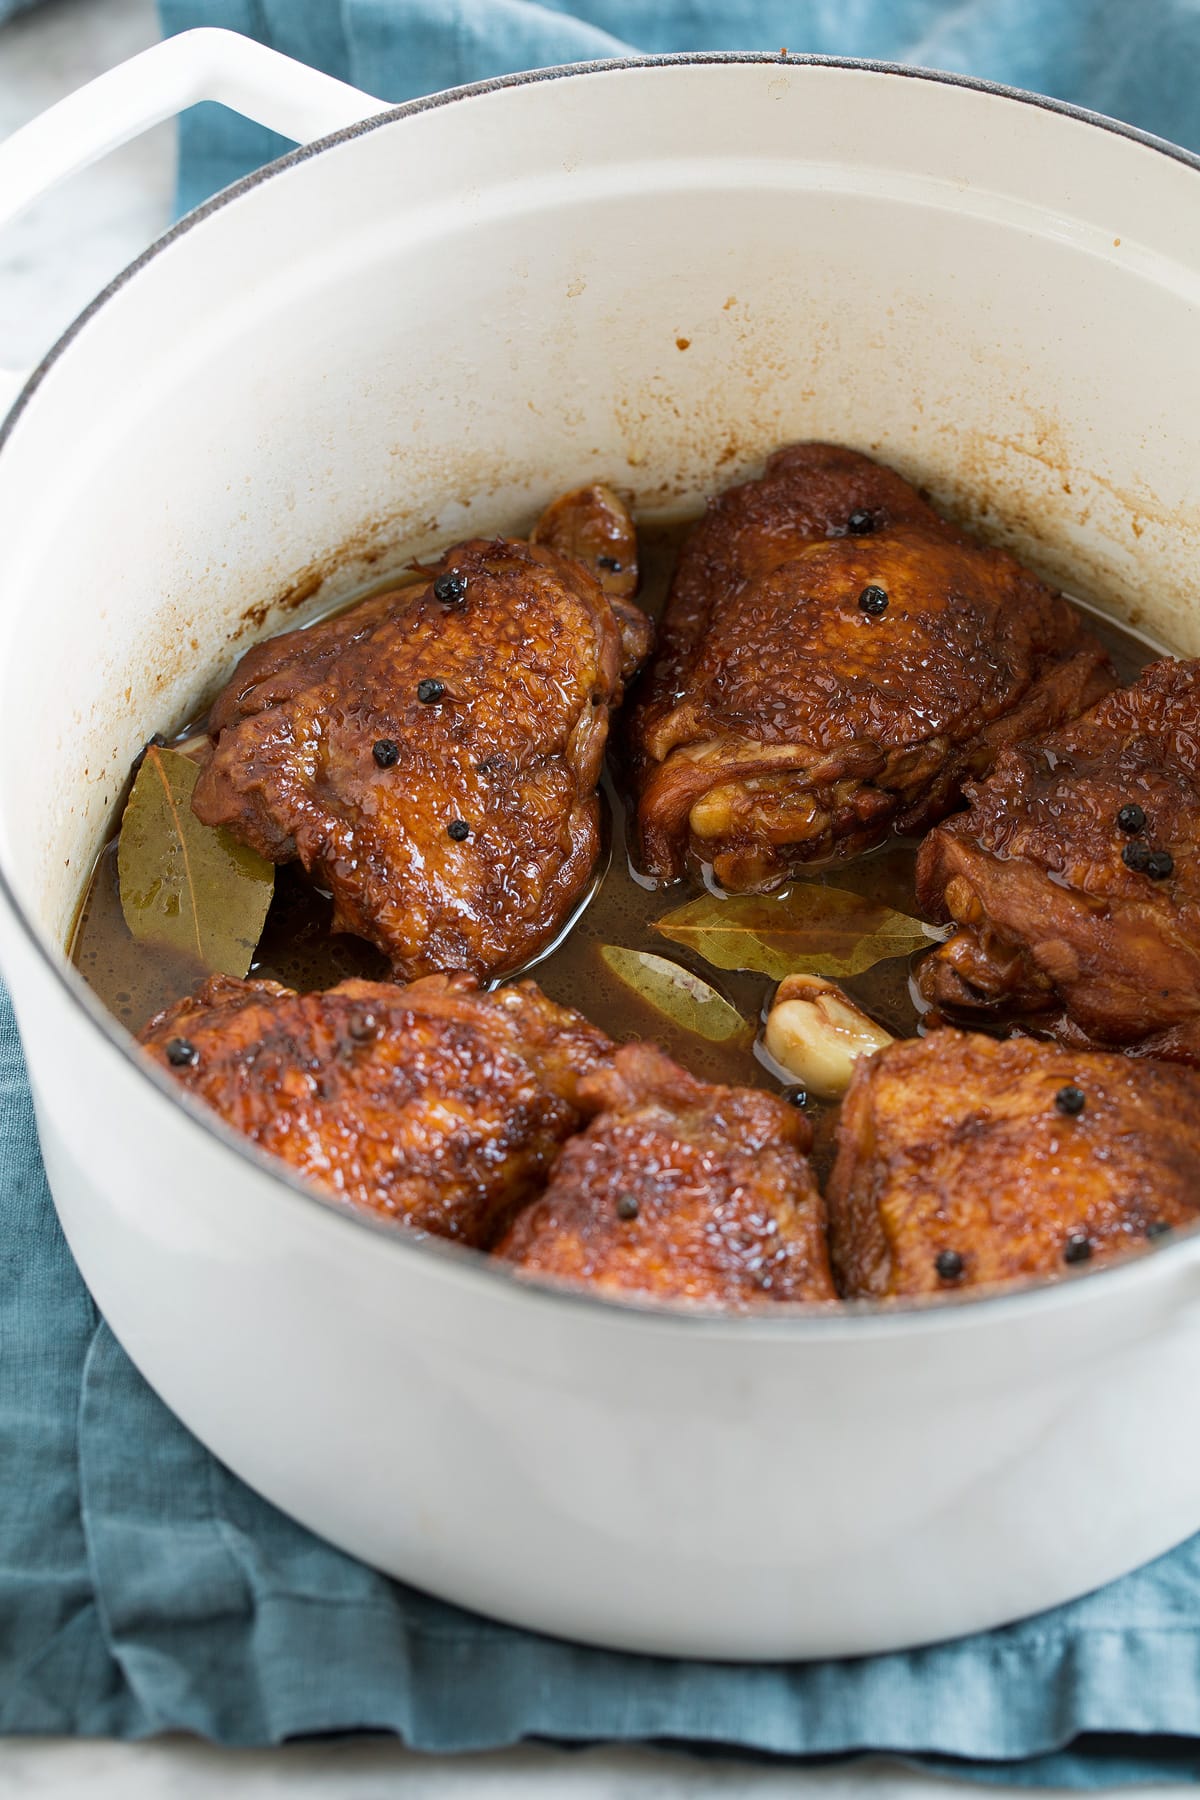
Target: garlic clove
(817,1034)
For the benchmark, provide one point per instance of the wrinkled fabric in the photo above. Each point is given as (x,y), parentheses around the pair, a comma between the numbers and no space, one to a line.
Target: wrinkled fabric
(143,1588)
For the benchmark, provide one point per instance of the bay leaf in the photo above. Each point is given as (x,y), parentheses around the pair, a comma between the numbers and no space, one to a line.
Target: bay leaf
(186,886)
(810,930)
(683,997)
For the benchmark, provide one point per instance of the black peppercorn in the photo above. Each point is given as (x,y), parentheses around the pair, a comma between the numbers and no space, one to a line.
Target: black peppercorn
(1077,1248)
(873,600)
(609,562)
(1160,864)
(1136,856)
(386,752)
(860,523)
(795,1096)
(1070,1100)
(451,588)
(181,1054)
(459,829)
(627,1206)
(949,1265)
(1131,817)
(429,691)
(1157,1228)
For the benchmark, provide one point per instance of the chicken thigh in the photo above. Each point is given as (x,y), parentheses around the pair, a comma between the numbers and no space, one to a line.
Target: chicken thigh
(964,1160)
(1073,879)
(431,756)
(833,661)
(679,1191)
(434,1105)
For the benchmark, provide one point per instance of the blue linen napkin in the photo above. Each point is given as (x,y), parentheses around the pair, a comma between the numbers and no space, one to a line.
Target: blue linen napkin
(144,1589)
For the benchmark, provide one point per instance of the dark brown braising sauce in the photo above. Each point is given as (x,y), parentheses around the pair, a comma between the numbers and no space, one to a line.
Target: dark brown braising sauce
(135,981)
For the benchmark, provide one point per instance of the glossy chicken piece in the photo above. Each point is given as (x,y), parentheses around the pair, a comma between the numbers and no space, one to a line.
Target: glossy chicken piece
(435,1105)
(833,661)
(1074,877)
(593,526)
(431,756)
(964,1160)
(679,1191)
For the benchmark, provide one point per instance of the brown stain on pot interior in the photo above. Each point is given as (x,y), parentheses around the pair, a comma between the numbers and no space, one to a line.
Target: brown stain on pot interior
(366,548)
(1037,494)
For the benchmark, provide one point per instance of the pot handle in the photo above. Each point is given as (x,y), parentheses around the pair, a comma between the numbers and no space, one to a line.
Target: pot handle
(206,64)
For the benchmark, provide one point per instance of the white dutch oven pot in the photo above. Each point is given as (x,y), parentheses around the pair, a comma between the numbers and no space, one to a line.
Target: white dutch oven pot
(426,325)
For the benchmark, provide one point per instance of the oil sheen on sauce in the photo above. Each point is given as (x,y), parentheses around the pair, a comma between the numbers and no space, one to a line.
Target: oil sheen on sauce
(135,981)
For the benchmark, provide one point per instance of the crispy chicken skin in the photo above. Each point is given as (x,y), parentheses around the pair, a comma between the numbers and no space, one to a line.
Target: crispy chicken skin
(435,1105)
(1052,919)
(833,661)
(964,1160)
(431,755)
(679,1191)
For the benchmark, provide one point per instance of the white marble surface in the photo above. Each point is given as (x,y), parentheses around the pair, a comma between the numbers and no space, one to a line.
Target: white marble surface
(174,1770)
(62,251)
(51,262)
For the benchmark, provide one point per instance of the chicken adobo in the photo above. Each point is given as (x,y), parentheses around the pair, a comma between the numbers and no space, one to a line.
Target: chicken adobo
(679,1190)
(834,660)
(963,1161)
(434,1104)
(838,669)
(432,755)
(1073,879)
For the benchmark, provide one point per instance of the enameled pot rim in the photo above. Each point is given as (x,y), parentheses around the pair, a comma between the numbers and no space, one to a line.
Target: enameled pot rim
(861,1319)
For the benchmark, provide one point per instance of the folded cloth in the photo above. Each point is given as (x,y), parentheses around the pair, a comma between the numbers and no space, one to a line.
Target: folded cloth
(144,1589)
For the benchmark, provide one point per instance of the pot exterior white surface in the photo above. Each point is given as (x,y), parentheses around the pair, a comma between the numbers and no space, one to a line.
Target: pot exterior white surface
(428,327)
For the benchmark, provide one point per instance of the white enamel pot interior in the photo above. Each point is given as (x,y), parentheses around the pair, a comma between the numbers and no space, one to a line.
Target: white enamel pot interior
(425,326)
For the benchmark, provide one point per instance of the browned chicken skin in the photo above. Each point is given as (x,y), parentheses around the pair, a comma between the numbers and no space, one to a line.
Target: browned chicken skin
(834,660)
(431,755)
(965,1160)
(679,1191)
(593,526)
(1074,877)
(435,1105)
